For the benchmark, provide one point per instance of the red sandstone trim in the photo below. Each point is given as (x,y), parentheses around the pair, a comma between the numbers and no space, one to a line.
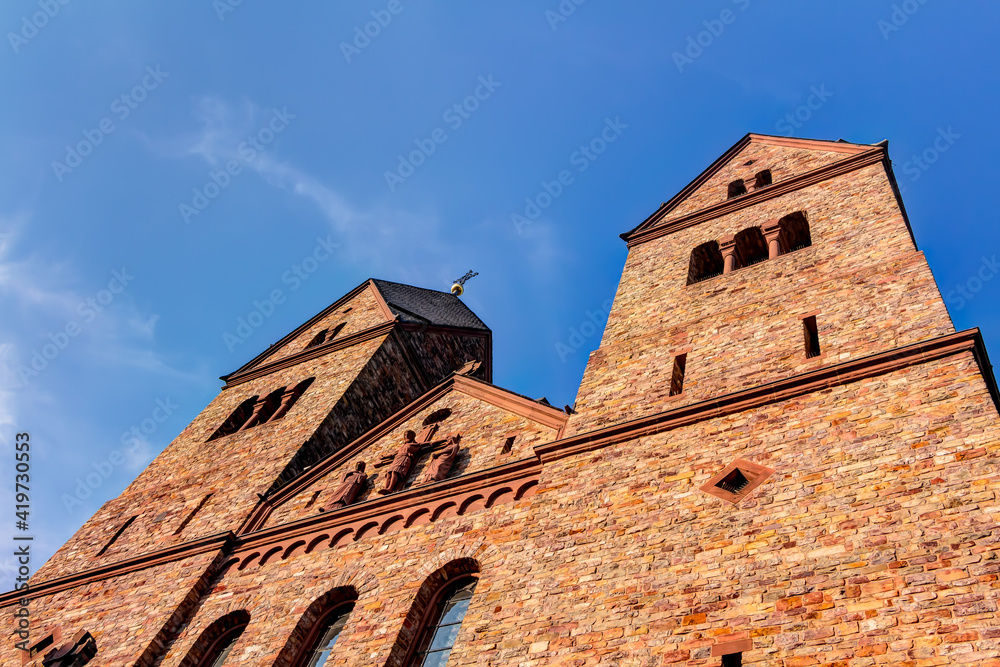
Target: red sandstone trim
(655,227)
(501,398)
(211,543)
(805,383)
(310,353)
(383,306)
(405,504)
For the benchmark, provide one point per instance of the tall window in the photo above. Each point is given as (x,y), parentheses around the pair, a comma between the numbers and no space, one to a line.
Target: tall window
(222,647)
(329,630)
(443,623)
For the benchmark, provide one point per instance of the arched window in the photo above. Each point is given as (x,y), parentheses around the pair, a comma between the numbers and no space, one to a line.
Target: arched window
(329,629)
(761,179)
(217,641)
(447,611)
(794,232)
(706,262)
(751,247)
(336,330)
(313,641)
(236,420)
(432,625)
(318,339)
(736,188)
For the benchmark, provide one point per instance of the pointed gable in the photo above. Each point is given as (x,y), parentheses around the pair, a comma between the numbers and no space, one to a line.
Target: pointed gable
(496,426)
(782,157)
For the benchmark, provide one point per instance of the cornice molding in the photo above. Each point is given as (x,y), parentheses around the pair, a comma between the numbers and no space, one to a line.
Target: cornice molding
(655,227)
(310,353)
(780,390)
(216,542)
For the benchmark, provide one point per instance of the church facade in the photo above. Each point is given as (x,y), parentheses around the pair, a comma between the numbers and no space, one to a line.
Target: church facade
(781,454)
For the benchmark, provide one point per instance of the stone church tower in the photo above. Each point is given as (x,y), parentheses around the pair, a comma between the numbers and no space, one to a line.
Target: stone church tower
(782,454)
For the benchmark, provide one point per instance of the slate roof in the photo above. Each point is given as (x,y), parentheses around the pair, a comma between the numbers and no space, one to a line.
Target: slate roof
(416,304)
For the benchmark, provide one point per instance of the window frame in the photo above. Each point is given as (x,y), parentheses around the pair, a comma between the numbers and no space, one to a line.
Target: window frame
(311,642)
(215,649)
(431,616)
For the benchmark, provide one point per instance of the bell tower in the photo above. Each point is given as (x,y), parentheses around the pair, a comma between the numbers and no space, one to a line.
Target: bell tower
(784,256)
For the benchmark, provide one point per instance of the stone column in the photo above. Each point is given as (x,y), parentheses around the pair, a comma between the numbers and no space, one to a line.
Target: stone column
(772,232)
(286,402)
(727,244)
(253,421)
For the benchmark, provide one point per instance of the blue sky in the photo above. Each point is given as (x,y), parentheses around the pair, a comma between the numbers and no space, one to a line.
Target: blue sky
(119,220)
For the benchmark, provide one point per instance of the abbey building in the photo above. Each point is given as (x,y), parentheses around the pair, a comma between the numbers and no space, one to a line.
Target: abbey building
(781,454)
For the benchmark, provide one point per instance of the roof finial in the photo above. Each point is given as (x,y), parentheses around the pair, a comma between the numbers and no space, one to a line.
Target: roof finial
(457,289)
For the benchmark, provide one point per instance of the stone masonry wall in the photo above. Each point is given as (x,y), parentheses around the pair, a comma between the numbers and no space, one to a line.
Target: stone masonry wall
(872,290)
(875,542)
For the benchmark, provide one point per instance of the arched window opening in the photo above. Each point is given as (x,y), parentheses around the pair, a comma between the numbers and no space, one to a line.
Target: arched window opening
(432,625)
(751,247)
(443,623)
(329,629)
(271,405)
(706,262)
(794,232)
(736,188)
(313,641)
(762,178)
(236,420)
(336,330)
(217,641)
(290,397)
(318,339)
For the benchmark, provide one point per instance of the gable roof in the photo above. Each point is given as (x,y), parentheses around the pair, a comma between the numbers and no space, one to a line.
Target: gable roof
(839,146)
(417,304)
(398,301)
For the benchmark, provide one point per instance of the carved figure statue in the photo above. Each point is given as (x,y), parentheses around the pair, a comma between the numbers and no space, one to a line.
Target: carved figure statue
(351,485)
(441,462)
(402,464)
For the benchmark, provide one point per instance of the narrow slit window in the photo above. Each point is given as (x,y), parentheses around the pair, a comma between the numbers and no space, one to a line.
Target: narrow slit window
(118,534)
(312,500)
(190,516)
(508,444)
(811,334)
(732,660)
(677,377)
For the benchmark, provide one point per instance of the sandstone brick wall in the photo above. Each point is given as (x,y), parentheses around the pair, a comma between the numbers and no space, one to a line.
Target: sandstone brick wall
(364,313)
(873,292)
(781,160)
(875,542)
